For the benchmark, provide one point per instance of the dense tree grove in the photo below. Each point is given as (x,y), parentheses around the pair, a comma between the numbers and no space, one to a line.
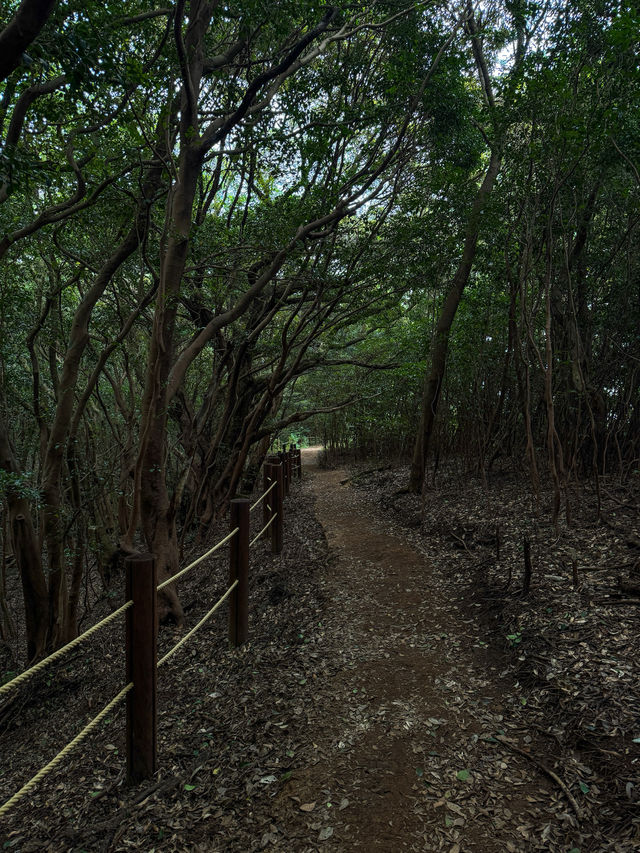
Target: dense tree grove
(417,224)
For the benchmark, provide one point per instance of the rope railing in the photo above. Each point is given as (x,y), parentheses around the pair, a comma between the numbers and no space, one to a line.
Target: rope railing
(48,768)
(188,568)
(141,635)
(262,497)
(204,619)
(266,527)
(62,651)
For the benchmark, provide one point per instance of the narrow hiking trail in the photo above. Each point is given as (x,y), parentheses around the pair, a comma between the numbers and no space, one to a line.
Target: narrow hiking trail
(364,713)
(403,732)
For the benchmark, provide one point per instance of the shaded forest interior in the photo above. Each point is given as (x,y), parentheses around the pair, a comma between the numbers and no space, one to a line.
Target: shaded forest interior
(408,232)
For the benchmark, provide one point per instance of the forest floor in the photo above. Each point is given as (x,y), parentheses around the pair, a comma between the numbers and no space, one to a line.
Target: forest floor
(398,692)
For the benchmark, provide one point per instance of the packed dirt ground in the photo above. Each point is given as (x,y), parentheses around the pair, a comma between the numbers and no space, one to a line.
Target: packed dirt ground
(398,691)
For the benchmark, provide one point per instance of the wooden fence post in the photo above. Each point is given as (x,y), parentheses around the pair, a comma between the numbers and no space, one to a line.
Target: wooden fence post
(141,666)
(279,507)
(297,460)
(239,570)
(277,503)
(267,503)
(285,472)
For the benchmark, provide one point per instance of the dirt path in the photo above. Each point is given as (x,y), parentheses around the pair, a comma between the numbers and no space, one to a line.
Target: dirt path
(363,715)
(405,759)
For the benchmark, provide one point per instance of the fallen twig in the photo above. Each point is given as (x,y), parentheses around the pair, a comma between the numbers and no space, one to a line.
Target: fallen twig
(546,770)
(460,540)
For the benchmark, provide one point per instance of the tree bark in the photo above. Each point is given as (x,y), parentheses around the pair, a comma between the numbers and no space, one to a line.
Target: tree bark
(26,549)
(152,505)
(21,30)
(440,343)
(63,418)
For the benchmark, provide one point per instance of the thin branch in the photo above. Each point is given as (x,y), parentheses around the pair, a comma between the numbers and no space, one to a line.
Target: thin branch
(632,165)
(144,16)
(182,59)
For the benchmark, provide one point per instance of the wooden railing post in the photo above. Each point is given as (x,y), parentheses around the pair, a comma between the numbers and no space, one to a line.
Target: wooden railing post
(297,460)
(285,472)
(278,524)
(267,503)
(239,570)
(290,467)
(277,527)
(141,666)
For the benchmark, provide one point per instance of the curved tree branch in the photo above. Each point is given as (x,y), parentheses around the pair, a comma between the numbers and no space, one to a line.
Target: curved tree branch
(23,28)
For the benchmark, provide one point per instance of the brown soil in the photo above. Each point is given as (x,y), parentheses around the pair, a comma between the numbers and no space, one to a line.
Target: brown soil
(372,709)
(405,721)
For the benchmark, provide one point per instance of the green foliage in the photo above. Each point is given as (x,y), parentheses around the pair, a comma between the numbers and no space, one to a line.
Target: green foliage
(20,485)
(343,321)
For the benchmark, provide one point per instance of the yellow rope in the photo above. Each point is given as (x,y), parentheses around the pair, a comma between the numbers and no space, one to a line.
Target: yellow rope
(255,538)
(199,625)
(38,667)
(188,568)
(30,785)
(262,497)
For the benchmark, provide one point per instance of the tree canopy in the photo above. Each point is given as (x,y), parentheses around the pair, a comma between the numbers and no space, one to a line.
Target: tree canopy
(402,227)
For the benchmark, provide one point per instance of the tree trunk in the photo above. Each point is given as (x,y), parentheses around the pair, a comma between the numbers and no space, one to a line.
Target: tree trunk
(440,343)
(252,470)
(20,32)
(26,549)
(156,510)
(53,464)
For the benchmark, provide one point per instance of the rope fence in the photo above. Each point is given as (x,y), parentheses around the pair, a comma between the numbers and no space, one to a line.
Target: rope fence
(62,651)
(195,563)
(140,609)
(197,627)
(67,750)
(264,529)
(262,497)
